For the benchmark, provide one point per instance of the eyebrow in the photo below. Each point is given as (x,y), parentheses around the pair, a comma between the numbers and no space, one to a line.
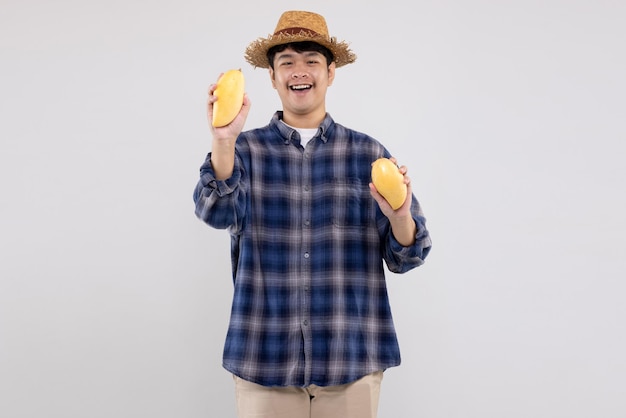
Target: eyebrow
(291,54)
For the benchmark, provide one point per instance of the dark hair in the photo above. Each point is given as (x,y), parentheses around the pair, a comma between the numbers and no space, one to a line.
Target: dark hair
(303,46)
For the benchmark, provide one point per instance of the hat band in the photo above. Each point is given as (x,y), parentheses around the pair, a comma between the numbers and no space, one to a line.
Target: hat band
(295,31)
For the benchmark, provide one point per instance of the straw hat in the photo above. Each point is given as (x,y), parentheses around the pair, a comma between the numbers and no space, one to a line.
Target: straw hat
(298,26)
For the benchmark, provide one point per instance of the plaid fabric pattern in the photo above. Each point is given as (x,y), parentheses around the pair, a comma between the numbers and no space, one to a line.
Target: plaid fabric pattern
(308,243)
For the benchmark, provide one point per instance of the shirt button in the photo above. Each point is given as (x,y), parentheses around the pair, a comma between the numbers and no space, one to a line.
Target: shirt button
(305,322)
(306,188)
(306,255)
(307,222)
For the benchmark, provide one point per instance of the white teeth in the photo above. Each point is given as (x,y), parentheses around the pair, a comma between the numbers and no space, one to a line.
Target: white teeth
(300,87)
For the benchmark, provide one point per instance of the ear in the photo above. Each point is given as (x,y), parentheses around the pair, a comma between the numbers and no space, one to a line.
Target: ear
(271,73)
(331,73)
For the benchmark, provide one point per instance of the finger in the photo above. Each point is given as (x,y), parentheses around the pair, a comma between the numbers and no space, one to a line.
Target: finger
(377,196)
(382,202)
(246,100)
(245,107)
(409,192)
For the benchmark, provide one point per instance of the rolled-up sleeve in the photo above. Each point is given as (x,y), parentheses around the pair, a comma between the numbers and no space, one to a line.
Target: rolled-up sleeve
(400,259)
(220,203)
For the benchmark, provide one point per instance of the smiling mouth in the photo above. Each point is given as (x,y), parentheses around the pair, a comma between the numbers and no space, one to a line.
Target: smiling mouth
(300,87)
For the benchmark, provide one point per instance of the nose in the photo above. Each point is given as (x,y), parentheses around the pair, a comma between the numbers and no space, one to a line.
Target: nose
(299,71)
(299,75)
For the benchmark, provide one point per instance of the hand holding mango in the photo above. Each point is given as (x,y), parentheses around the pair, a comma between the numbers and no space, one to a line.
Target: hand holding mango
(389,182)
(229,92)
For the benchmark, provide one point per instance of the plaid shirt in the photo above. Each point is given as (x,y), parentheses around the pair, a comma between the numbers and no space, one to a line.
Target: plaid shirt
(308,241)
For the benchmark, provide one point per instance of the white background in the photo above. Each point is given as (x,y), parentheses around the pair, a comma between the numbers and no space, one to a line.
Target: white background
(510,115)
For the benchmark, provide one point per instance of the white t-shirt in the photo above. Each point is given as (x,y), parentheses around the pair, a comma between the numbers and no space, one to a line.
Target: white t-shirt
(305,134)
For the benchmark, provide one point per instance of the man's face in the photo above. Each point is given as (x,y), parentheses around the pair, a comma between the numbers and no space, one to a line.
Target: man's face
(301,79)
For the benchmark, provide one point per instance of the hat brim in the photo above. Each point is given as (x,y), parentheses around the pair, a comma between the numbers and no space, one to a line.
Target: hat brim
(256,52)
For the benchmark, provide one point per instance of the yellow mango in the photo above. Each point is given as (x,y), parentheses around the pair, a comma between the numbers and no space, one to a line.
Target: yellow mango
(229,92)
(389,182)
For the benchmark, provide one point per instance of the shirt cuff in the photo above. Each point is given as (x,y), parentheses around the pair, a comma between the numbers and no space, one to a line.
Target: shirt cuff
(221,187)
(416,249)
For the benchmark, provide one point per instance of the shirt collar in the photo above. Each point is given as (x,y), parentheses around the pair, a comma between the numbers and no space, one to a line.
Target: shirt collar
(289,134)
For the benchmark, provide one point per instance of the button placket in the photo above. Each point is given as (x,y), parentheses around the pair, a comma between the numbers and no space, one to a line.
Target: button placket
(305,277)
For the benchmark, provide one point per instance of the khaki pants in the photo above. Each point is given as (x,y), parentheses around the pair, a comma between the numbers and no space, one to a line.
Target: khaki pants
(353,400)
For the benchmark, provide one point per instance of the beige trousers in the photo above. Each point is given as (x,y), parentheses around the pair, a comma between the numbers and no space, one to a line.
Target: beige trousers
(353,400)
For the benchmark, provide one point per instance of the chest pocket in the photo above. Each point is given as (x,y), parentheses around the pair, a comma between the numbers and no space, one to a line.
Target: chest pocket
(352,204)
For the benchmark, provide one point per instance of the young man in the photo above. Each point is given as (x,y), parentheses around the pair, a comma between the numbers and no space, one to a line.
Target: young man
(311,330)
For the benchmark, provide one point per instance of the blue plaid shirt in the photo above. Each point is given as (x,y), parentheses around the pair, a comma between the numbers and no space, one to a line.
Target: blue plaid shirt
(308,241)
